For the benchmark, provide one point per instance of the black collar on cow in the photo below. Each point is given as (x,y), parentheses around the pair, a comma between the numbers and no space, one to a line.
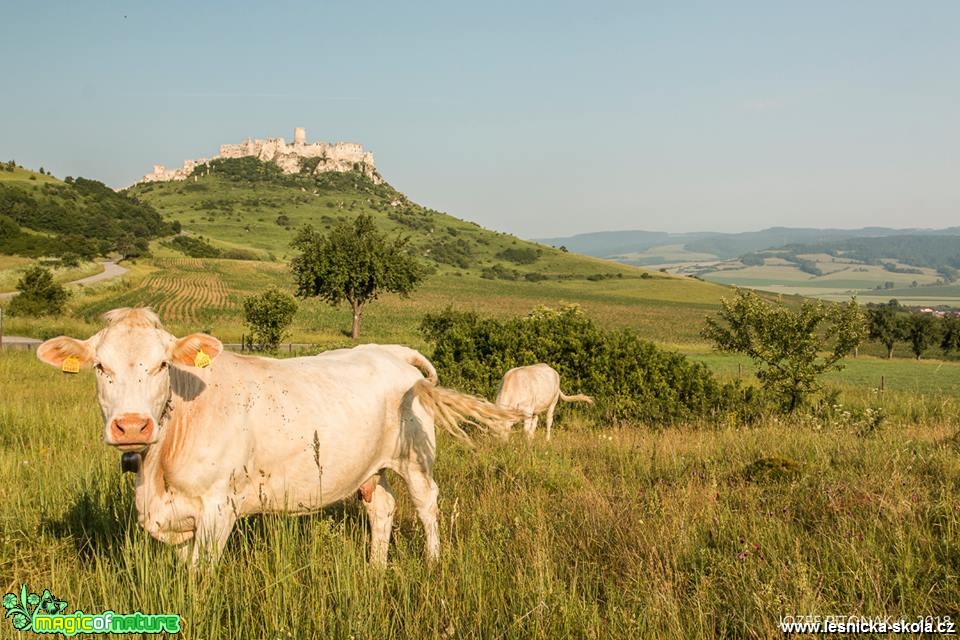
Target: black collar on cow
(131,461)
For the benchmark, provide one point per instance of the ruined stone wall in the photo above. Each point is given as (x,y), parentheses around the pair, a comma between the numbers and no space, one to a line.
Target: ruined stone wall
(340,156)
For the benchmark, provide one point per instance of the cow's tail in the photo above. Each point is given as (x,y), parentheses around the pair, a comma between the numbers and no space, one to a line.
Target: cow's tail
(576,398)
(450,408)
(414,358)
(420,361)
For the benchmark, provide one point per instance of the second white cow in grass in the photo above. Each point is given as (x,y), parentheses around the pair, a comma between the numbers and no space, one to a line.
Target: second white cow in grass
(534,389)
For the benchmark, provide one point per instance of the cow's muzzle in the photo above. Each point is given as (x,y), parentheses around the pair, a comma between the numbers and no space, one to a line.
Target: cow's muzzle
(132,432)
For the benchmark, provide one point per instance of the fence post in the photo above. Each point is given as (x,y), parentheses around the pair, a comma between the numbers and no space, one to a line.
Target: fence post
(881,384)
(1,328)
(739,367)
(243,342)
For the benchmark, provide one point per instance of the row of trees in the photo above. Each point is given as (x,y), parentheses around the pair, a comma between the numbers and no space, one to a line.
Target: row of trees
(890,323)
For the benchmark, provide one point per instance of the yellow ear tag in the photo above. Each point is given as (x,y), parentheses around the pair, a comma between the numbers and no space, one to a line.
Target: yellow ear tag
(202,360)
(71,364)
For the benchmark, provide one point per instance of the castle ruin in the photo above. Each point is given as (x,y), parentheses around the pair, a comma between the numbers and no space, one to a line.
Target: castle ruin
(338,156)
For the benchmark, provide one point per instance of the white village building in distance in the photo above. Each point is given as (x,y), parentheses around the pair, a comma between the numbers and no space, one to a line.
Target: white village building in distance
(338,156)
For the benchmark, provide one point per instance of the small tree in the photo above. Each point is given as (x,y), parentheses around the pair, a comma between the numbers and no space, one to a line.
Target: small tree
(921,331)
(950,336)
(786,345)
(884,324)
(40,294)
(268,316)
(354,262)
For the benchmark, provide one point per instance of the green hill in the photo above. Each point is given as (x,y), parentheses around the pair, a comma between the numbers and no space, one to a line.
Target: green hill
(247,209)
(43,216)
(244,204)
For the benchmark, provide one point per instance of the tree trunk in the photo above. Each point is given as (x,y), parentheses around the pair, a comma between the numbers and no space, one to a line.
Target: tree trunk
(889,351)
(357,318)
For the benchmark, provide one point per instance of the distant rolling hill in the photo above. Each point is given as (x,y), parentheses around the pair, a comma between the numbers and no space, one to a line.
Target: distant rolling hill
(622,244)
(917,266)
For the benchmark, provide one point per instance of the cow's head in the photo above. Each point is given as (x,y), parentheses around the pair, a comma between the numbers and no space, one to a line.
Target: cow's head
(132,359)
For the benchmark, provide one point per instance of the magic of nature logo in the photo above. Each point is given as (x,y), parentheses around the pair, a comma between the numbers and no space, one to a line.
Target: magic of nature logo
(45,614)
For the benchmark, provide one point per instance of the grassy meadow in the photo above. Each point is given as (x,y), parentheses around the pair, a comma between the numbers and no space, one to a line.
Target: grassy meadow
(12,268)
(638,532)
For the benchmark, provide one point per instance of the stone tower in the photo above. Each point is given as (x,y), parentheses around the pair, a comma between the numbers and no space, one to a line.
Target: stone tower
(299,136)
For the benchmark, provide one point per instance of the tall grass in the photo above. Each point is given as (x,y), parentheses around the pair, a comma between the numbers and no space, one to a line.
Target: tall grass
(638,532)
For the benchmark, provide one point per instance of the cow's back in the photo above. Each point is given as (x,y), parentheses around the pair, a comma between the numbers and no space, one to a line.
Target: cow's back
(531,388)
(296,434)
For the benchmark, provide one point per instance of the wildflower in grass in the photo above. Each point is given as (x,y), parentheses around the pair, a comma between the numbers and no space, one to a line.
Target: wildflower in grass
(9,601)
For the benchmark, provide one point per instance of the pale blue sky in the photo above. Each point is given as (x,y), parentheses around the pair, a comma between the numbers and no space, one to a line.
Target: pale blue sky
(537,118)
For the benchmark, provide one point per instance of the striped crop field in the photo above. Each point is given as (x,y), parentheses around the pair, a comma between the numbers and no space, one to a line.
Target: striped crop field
(190,290)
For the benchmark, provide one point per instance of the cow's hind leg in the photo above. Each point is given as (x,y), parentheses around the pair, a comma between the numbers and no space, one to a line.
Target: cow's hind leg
(424,492)
(380,504)
(548,419)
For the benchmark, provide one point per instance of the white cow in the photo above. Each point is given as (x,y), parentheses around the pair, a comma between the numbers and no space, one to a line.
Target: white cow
(236,435)
(533,390)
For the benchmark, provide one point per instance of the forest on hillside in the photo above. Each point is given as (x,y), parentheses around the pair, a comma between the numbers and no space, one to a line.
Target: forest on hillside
(79,217)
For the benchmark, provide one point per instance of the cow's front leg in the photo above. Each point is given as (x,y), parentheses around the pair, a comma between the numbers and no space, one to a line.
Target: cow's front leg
(184,551)
(213,529)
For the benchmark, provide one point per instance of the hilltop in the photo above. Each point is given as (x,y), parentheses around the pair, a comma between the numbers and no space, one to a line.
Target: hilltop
(300,157)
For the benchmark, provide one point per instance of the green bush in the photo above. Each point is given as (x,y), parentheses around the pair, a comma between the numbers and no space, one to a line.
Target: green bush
(499,272)
(39,294)
(194,247)
(520,255)
(240,254)
(268,315)
(631,379)
(457,253)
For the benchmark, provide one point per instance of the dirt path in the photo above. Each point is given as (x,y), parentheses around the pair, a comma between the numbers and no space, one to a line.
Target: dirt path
(110,270)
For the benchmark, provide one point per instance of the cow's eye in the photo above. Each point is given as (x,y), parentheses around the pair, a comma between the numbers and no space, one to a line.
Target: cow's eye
(163,366)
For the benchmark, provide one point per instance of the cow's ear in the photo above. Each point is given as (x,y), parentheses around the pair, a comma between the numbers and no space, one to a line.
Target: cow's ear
(57,352)
(195,350)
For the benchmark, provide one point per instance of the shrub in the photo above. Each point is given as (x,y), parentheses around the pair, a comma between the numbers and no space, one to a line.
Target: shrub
(240,254)
(499,272)
(457,253)
(268,315)
(630,378)
(791,348)
(194,247)
(39,294)
(520,255)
